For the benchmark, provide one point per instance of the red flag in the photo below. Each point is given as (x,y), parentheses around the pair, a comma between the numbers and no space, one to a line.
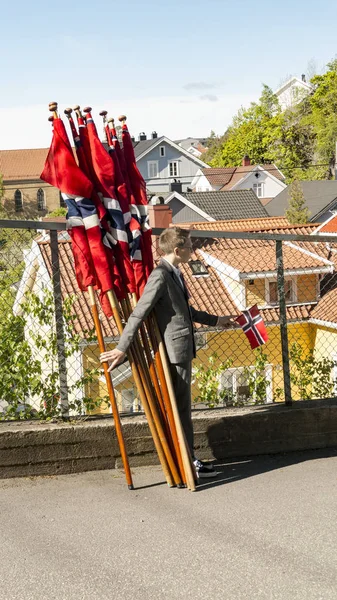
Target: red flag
(138,204)
(61,171)
(253,326)
(115,200)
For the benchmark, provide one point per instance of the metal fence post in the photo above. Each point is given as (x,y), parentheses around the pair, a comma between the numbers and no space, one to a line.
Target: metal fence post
(59,323)
(283,323)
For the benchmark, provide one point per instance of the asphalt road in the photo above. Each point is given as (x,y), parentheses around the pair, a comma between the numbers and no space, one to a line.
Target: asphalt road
(266,529)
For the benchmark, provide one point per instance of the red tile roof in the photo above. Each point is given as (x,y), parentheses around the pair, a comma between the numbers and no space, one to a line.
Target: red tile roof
(279,224)
(330,226)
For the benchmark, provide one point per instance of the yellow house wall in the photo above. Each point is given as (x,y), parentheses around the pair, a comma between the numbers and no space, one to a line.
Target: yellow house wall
(325,343)
(234,345)
(255,294)
(307,288)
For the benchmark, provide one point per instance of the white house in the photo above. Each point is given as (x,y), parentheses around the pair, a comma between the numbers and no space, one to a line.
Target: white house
(267,181)
(293,91)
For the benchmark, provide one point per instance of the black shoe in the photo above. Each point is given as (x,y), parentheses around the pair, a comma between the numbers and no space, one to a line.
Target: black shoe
(204,470)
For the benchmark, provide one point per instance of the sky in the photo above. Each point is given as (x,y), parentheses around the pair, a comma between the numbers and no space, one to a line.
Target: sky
(181,68)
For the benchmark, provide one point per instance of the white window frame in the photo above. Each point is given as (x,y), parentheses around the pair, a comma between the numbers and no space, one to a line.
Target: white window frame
(150,164)
(162,151)
(173,162)
(238,370)
(293,291)
(256,186)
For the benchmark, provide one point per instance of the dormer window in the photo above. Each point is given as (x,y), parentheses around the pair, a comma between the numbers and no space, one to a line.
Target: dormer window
(289,292)
(259,189)
(198,268)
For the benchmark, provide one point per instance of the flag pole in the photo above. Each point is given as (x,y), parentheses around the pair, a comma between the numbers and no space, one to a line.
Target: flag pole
(148,403)
(53,109)
(186,457)
(111,392)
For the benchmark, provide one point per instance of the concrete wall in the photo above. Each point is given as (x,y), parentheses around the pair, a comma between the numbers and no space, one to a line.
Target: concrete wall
(28,449)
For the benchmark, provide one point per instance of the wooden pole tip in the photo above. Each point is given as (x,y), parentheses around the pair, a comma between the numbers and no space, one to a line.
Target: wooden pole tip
(68,111)
(103,113)
(51,119)
(52,106)
(122,118)
(87,109)
(77,107)
(111,121)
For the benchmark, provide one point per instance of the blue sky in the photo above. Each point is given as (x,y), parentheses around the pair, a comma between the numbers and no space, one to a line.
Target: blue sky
(180,67)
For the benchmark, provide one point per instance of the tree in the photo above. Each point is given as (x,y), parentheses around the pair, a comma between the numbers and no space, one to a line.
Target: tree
(58,212)
(297,211)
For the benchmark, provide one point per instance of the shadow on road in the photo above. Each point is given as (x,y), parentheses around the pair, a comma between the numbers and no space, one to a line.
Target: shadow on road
(234,469)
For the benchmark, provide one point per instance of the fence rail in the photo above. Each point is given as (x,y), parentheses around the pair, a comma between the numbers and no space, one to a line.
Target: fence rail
(49,355)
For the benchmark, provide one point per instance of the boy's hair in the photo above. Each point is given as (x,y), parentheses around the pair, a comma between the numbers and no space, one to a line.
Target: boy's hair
(173,237)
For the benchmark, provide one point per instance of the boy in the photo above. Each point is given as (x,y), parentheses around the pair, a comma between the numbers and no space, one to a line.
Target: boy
(165,292)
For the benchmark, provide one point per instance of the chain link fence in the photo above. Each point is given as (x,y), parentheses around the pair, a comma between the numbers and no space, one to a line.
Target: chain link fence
(49,356)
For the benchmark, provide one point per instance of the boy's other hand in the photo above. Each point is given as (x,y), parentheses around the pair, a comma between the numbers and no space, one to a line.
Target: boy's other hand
(115,356)
(226,320)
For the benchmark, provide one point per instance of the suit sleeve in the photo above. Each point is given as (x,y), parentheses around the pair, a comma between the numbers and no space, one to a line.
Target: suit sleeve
(153,291)
(202,317)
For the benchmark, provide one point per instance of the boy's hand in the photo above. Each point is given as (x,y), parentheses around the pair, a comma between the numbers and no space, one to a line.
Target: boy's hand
(115,355)
(226,320)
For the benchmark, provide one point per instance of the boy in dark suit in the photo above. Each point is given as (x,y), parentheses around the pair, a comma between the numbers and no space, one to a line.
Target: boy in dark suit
(166,294)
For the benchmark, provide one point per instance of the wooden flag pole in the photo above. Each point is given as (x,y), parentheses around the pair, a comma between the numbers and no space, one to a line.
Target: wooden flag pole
(111,392)
(167,393)
(186,457)
(164,454)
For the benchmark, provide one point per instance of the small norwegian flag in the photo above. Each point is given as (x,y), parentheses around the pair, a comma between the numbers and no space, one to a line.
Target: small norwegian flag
(253,326)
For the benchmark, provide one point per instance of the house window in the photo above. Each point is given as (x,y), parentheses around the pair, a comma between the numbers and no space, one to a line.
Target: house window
(289,292)
(41,205)
(152,169)
(18,201)
(62,201)
(259,189)
(173,168)
(236,385)
(162,150)
(198,268)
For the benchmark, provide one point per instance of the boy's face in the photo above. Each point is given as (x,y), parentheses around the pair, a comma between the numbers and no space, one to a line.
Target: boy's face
(184,253)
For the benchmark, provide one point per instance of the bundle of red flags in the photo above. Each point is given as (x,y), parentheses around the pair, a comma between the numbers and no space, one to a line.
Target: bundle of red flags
(253,326)
(107,209)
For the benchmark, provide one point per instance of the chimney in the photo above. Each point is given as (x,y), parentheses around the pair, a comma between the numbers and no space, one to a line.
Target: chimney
(246,161)
(176,186)
(142,136)
(303,78)
(154,135)
(160,216)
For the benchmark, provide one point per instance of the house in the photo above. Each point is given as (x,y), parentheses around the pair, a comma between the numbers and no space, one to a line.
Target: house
(212,206)
(162,163)
(25,194)
(196,146)
(320,198)
(293,91)
(267,181)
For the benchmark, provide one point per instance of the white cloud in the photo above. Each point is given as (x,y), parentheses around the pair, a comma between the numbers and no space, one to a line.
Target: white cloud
(28,127)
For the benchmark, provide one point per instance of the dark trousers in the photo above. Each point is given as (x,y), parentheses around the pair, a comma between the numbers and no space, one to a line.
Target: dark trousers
(181,378)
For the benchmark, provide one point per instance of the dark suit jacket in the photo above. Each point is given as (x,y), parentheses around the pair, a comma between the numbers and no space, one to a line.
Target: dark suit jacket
(175,316)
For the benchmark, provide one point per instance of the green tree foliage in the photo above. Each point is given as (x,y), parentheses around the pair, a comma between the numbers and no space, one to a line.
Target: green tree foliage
(58,212)
(301,136)
(297,212)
